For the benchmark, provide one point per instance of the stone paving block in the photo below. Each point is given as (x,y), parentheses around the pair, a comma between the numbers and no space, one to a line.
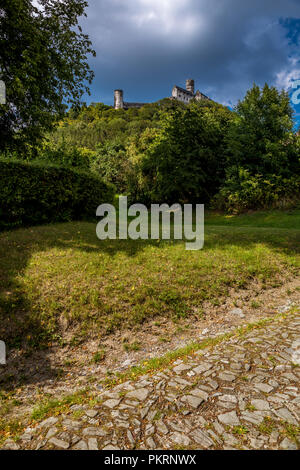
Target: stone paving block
(226,402)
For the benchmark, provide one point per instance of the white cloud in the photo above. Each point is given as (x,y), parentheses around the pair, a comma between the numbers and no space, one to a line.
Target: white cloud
(162,14)
(286,77)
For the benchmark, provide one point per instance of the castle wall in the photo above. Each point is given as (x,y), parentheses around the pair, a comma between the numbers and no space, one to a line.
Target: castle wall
(182,95)
(133,105)
(178,93)
(200,96)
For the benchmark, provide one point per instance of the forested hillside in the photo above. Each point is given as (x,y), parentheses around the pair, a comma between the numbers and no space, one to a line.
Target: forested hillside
(232,160)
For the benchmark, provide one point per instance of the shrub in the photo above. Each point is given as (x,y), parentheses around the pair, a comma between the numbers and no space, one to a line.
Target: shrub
(65,155)
(110,163)
(242,192)
(35,193)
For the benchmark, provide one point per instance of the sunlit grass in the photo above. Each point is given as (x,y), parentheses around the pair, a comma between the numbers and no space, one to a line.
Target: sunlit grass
(60,278)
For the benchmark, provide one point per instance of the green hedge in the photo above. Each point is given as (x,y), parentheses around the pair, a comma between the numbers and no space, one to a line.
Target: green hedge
(36,193)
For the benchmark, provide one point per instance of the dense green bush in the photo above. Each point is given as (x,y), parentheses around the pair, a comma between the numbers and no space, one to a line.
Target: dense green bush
(35,193)
(63,155)
(242,192)
(110,163)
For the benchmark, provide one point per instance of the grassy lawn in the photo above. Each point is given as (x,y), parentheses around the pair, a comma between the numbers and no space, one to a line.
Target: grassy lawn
(272,219)
(60,278)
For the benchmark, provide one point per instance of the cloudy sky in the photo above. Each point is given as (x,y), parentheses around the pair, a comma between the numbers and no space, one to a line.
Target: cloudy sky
(147,46)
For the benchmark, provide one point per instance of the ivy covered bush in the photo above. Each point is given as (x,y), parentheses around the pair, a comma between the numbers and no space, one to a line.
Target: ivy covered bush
(37,193)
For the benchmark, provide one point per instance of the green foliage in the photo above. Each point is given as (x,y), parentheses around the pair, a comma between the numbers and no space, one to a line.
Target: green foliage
(110,163)
(99,356)
(260,138)
(243,191)
(63,155)
(201,152)
(263,164)
(135,153)
(185,161)
(35,193)
(44,65)
(111,139)
(98,124)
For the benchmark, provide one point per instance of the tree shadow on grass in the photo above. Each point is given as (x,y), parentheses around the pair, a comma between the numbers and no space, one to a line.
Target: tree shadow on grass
(21,324)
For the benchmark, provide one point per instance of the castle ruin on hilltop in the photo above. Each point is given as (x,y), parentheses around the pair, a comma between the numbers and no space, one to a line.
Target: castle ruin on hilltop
(178,93)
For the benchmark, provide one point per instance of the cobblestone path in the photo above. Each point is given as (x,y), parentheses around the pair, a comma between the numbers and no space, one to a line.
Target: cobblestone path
(241,394)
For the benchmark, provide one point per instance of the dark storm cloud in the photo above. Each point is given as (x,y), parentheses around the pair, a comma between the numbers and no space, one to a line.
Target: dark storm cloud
(146,46)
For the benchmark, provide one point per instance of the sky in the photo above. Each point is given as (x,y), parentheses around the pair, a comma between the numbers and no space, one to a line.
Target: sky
(145,47)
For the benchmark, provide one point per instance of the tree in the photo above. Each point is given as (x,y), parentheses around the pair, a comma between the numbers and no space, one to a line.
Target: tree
(263,163)
(44,65)
(110,163)
(185,161)
(261,138)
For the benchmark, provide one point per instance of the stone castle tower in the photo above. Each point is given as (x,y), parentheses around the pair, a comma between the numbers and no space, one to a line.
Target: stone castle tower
(119,102)
(178,93)
(190,85)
